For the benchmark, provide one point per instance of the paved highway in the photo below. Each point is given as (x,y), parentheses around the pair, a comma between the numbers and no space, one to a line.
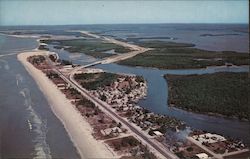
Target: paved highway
(135,50)
(107,108)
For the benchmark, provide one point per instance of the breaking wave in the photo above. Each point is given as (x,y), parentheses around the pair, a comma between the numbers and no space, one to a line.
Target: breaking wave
(19,79)
(36,126)
(4,64)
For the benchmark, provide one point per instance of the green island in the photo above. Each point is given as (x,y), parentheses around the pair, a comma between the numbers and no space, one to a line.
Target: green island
(219,93)
(92,47)
(171,55)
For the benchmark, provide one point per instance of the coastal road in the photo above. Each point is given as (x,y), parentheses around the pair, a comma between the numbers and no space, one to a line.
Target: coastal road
(135,50)
(107,109)
(112,40)
(215,155)
(104,106)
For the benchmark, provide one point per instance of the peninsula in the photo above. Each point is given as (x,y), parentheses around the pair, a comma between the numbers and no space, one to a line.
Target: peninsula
(107,102)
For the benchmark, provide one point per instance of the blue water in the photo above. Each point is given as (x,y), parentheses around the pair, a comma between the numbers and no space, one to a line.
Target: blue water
(15,113)
(157,96)
(22,102)
(156,100)
(188,33)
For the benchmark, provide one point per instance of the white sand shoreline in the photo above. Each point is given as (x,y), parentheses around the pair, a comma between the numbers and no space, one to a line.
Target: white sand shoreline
(76,126)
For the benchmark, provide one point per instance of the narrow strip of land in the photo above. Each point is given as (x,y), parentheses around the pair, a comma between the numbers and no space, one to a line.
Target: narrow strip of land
(104,106)
(107,109)
(78,129)
(135,50)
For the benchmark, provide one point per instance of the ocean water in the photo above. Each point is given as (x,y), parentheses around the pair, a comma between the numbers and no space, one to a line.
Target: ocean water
(225,37)
(28,128)
(21,101)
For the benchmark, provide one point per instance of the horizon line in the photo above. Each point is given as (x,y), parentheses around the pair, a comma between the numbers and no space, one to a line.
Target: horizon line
(120,24)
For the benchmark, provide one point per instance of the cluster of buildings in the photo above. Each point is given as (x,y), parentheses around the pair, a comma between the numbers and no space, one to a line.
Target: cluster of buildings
(217,143)
(115,131)
(209,138)
(205,145)
(123,94)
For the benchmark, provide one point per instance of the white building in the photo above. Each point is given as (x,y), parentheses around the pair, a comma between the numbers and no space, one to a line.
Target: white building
(209,138)
(158,133)
(202,156)
(108,131)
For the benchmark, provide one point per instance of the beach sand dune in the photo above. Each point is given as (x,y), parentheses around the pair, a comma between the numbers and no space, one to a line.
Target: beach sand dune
(76,126)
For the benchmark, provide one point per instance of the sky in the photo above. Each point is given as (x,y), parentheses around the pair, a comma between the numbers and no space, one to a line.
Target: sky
(67,12)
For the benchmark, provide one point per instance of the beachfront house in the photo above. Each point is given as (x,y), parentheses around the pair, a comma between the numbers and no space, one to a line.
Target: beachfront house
(202,156)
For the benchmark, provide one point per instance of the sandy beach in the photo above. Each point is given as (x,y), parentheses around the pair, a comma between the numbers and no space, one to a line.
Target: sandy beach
(76,126)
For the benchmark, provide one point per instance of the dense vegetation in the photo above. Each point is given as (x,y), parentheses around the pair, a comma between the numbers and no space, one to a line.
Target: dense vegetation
(169,55)
(43,47)
(92,81)
(124,142)
(92,47)
(52,57)
(164,44)
(222,93)
(165,123)
(37,59)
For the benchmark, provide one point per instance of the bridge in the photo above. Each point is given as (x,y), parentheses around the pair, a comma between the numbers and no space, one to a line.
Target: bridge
(135,50)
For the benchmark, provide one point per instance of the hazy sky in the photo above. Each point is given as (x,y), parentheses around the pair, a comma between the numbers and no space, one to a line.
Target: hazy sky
(44,12)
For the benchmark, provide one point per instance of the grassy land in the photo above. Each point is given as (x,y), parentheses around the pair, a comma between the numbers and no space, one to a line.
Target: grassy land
(92,81)
(92,47)
(163,44)
(222,93)
(169,55)
(98,54)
